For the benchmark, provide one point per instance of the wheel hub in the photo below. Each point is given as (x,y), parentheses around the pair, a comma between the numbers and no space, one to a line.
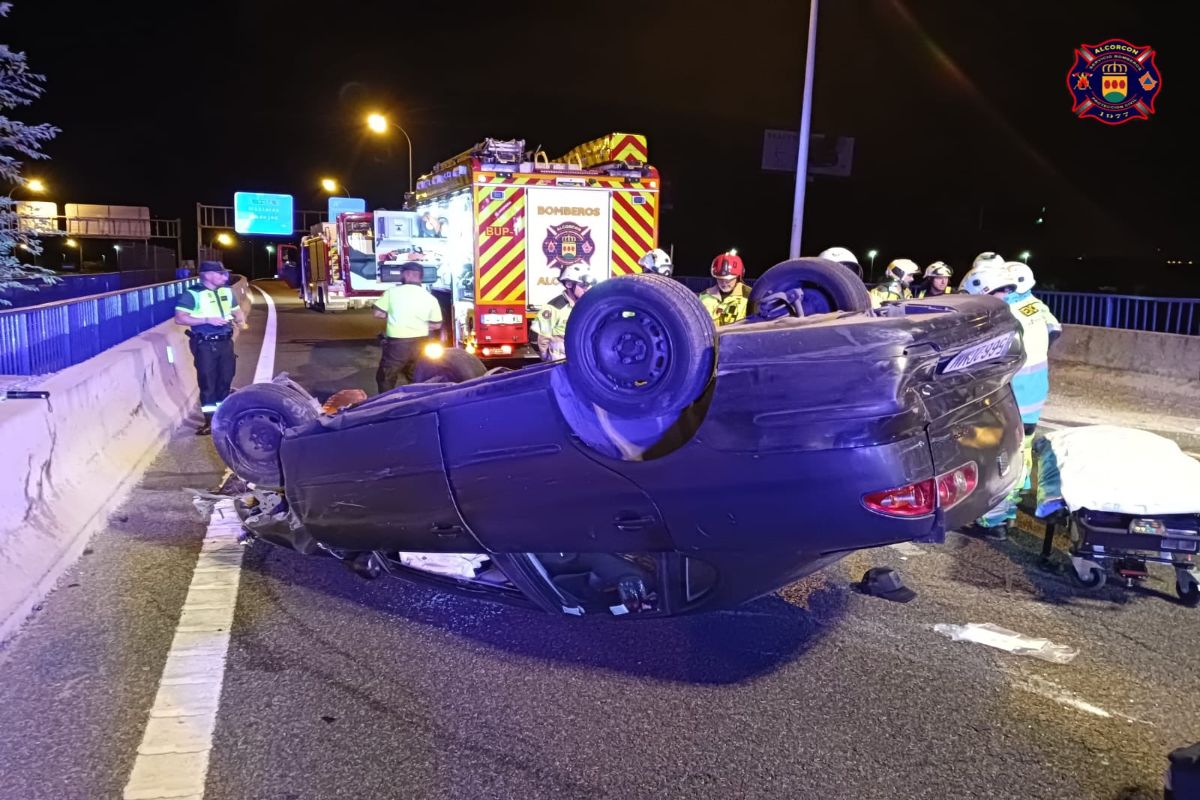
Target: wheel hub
(632,349)
(259,433)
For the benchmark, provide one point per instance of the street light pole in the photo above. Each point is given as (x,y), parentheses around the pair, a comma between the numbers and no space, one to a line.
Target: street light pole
(805,126)
(407,139)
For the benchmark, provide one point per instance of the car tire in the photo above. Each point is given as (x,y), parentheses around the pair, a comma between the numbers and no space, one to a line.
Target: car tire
(640,346)
(827,286)
(454,366)
(247,429)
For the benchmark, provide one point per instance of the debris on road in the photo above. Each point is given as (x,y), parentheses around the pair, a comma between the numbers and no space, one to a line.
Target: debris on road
(1009,641)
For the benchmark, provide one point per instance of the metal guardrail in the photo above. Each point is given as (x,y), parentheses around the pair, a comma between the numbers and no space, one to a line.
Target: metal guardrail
(85,284)
(53,336)
(1179,315)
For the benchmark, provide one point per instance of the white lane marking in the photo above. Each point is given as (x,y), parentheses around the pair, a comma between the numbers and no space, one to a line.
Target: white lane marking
(907,549)
(172,760)
(266,354)
(1065,697)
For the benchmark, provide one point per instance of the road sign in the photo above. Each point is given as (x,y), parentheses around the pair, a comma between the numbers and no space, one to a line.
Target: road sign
(343,205)
(257,212)
(827,155)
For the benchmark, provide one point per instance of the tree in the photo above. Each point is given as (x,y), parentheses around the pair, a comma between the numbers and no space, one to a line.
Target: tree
(18,141)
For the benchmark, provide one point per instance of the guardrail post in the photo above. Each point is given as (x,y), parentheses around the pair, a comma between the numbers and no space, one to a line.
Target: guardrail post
(1108,312)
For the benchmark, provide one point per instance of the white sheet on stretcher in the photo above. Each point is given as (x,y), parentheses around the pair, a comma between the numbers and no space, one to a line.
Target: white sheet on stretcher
(1124,470)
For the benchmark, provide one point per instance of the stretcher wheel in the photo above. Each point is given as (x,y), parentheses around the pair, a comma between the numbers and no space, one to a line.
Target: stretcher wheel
(1094,579)
(1188,590)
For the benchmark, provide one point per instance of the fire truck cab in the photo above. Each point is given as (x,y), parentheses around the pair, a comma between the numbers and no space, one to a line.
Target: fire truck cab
(497,224)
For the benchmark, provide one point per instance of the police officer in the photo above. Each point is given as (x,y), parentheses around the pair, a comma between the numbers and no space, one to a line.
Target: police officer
(209,312)
(727,299)
(413,318)
(900,274)
(550,325)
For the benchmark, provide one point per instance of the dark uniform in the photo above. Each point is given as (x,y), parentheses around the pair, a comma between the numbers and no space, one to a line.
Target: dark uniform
(211,345)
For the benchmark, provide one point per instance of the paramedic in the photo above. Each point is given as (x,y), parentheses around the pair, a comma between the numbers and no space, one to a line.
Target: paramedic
(413,319)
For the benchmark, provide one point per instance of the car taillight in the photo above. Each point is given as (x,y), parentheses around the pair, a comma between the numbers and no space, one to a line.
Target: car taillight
(502,350)
(954,486)
(913,500)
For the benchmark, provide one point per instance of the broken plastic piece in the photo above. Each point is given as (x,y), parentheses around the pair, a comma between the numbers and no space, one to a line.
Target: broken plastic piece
(1009,641)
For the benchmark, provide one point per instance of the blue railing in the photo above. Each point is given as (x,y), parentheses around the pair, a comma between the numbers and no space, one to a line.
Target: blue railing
(69,287)
(1152,314)
(46,338)
(1178,315)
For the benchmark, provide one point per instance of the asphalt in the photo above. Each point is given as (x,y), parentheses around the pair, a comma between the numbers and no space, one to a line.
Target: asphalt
(336,687)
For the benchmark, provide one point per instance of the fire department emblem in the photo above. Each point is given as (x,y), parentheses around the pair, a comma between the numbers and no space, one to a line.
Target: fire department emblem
(1114,82)
(567,244)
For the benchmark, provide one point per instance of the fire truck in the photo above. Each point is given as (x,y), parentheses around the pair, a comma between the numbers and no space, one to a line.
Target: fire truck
(497,224)
(337,263)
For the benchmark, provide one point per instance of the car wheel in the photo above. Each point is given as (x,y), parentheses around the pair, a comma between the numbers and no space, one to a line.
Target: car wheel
(640,345)
(247,429)
(827,286)
(453,366)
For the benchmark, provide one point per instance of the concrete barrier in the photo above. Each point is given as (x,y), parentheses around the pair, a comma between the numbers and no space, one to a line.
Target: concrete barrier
(71,460)
(1165,355)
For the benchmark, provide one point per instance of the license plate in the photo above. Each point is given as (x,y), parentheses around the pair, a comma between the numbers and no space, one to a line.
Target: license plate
(992,348)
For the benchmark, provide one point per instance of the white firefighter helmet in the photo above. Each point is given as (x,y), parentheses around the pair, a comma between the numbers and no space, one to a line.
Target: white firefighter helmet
(901,268)
(987,278)
(939,269)
(657,261)
(842,256)
(987,259)
(1022,275)
(577,273)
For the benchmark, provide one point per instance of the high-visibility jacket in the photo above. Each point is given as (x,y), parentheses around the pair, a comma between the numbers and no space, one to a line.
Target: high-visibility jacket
(725,309)
(1031,384)
(891,290)
(410,311)
(550,325)
(928,291)
(205,302)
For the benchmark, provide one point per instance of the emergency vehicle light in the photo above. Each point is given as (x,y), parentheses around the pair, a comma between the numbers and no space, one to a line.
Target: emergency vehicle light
(503,350)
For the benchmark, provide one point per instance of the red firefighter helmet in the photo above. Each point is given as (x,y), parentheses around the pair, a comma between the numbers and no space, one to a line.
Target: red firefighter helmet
(728,265)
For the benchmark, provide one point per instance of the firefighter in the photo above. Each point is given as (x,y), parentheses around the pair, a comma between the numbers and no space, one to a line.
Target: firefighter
(413,318)
(900,274)
(729,297)
(936,280)
(210,312)
(658,262)
(550,325)
(1011,282)
(844,257)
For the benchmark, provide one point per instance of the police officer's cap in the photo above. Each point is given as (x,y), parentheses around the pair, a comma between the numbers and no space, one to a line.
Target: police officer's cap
(212,266)
(413,265)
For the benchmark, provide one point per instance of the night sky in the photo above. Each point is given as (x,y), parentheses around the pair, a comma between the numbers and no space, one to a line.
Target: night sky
(959,110)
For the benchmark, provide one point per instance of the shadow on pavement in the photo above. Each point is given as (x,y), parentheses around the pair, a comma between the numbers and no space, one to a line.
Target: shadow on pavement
(718,648)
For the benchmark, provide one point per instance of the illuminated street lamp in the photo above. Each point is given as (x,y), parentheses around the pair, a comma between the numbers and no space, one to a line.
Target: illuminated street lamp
(270,249)
(223,239)
(871,255)
(1025,256)
(379,124)
(333,187)
(33,184)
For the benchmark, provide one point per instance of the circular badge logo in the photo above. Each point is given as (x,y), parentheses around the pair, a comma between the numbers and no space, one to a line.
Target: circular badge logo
(1114,82)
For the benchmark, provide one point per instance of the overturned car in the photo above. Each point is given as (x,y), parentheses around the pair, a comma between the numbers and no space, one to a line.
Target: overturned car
(665,467)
